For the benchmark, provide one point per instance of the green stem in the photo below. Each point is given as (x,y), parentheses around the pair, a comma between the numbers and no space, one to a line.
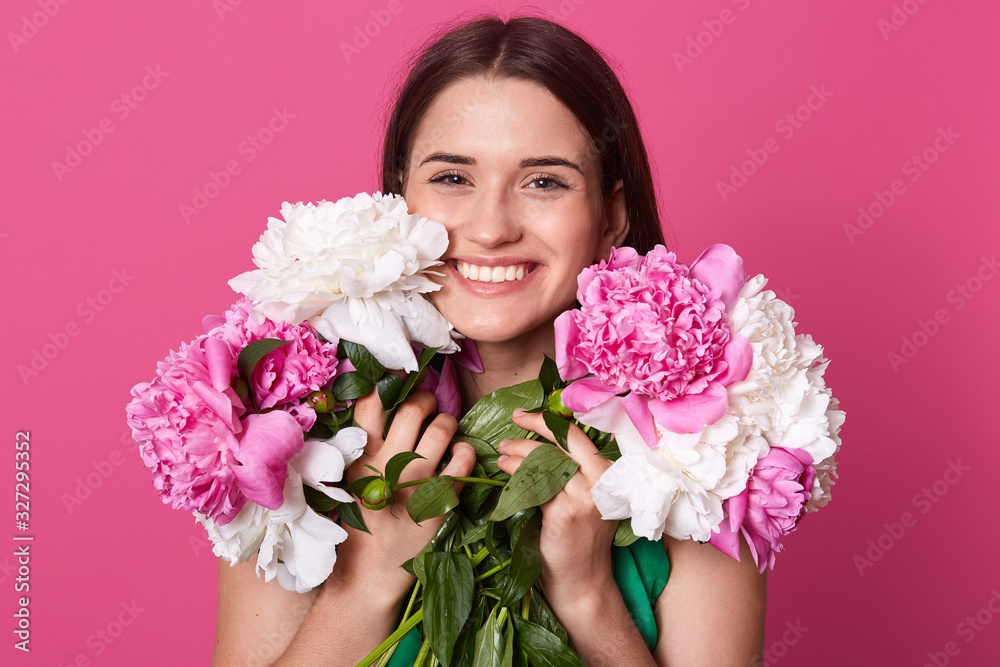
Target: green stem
(468,480)
(490,573)
(478,558)
(393,639)
(424,650)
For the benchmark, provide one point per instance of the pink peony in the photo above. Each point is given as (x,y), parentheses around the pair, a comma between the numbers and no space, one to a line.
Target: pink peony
(287,374)
(656,331)
(207,453)
(769,508)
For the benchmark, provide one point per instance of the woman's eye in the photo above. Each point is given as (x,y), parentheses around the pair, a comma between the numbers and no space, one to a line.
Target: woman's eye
(547,183)
(449,178)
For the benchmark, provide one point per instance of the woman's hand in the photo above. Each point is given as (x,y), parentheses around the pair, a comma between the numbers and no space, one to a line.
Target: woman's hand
(575,541)
(375,558)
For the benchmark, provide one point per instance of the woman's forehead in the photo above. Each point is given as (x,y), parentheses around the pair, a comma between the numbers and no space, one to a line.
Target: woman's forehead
(500,121)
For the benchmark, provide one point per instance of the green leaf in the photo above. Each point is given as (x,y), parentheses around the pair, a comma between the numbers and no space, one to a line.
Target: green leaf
(544,649)
(525,563)
(610,451)
(447,600)
(364,361)
(394,467)
(389,386)
(486,454)
(508,651)
(489,419)
(549,376)
(351,385)
(414,378)
(432,498)
(542,474)
(350,513)
(476,496)
(624,535)
(318,500)
(489,643)
(558,426)
(542,615)
(465,647)
(473,535)
(251,355)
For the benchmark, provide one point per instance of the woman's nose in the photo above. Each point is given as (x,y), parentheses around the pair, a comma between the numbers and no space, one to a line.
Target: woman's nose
(492,221)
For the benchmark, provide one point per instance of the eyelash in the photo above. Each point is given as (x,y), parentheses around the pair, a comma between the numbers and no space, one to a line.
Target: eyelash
(557,182)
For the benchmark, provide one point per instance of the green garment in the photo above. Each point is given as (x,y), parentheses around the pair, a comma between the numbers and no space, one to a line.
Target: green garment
(640,569)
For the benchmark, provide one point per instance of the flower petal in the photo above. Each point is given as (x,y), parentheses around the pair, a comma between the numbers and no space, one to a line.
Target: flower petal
(267,444)
(738,356)
(585,394)
(721,268)
(692,412)
(638,411)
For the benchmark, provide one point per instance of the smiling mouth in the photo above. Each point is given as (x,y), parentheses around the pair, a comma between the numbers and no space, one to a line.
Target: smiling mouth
(494,274)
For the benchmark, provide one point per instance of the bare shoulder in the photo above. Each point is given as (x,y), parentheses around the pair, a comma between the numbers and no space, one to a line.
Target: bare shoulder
(257,619)
(712,610)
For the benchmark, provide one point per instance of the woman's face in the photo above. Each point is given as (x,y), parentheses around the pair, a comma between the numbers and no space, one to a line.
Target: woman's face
(512,175)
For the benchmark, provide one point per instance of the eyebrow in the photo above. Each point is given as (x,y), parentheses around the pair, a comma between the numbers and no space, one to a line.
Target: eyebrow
(540,161)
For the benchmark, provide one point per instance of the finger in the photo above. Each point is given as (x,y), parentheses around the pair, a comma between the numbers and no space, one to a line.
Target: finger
(581,449)
(368,413)
(518,447)
(408,420)
(433,444)
(463,459)
(509,462)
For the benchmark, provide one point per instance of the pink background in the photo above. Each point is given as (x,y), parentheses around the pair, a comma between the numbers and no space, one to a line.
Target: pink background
(101,266)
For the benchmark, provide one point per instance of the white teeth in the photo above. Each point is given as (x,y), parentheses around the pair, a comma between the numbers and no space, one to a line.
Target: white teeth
(491,274)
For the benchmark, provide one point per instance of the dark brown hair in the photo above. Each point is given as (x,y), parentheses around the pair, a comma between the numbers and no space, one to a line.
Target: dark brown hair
(546,53)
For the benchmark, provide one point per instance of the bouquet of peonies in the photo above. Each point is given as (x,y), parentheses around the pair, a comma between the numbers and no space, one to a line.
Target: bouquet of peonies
(718,408)
(250,425)
(691,380)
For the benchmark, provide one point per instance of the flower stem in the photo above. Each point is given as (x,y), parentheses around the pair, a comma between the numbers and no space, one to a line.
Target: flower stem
(424,650)
(393,639)
(468,480)
(490,573)
(478,558)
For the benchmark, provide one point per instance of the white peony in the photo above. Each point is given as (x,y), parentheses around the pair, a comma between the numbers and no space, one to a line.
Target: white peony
(677,488)
(355,269)
(826,470)
(784,393)
(293,543)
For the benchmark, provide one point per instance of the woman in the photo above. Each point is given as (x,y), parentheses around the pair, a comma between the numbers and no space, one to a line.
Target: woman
(518,137)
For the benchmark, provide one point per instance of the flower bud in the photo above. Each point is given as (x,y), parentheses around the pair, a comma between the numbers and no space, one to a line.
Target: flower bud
(557,406)
(377,494)
(321,401)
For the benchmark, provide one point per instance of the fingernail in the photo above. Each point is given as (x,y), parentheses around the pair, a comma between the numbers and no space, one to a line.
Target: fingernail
(503,443)
(502,458)
(519,411)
